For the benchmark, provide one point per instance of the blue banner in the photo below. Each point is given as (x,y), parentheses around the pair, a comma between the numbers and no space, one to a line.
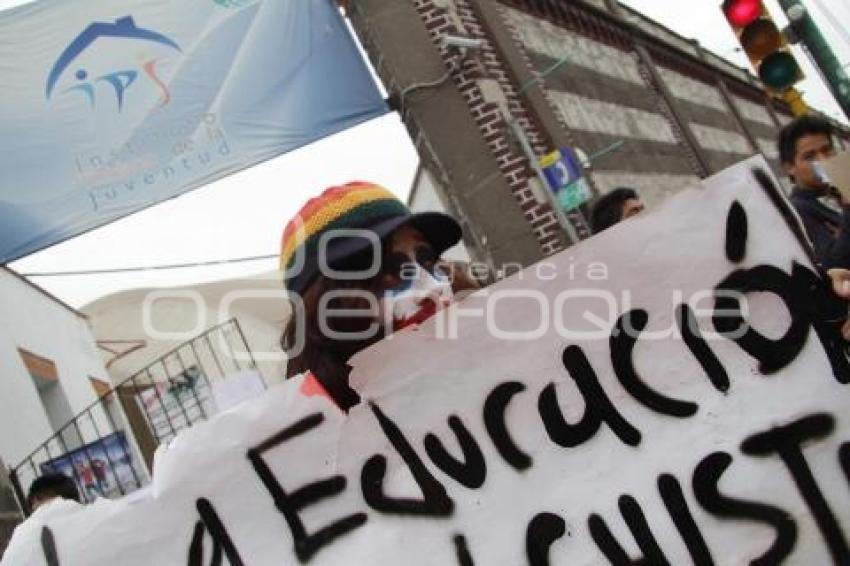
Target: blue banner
(110,106)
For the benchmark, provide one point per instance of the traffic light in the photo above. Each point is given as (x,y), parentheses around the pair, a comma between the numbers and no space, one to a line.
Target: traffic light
(763,43)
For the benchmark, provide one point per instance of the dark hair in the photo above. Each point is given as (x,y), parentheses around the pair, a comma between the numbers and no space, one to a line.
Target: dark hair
(324,356)
(316,344)
(608,209)
(803,126)
(49,486)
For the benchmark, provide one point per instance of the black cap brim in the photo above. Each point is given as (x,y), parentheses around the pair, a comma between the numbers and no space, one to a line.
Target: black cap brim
(440,230)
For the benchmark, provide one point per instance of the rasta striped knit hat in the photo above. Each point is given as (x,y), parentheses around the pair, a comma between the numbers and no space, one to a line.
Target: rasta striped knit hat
(356,205)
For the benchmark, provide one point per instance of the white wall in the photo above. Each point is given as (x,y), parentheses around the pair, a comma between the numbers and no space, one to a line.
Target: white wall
(37,323)
(167,317)
(55,402)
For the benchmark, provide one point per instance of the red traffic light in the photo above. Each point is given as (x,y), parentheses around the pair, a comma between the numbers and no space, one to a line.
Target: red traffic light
(741,13)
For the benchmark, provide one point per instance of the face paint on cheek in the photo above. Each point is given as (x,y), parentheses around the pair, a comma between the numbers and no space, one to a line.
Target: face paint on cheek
(416,300)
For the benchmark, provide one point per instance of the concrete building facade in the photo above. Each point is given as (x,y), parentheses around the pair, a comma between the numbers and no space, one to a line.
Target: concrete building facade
(652,110)
(49,366)
(51,371)
(10,512)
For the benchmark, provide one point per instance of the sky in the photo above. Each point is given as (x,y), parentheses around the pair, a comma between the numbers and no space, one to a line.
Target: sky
(243,215)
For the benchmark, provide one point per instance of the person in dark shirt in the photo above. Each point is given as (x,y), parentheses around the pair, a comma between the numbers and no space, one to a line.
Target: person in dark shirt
(802,144)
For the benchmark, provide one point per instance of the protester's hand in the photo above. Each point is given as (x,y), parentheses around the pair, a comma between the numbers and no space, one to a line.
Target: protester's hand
(840,282)
(841,287)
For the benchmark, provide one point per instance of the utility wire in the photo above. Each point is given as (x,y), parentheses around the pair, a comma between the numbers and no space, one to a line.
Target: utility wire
(150,268)
(453,67)
(543,74)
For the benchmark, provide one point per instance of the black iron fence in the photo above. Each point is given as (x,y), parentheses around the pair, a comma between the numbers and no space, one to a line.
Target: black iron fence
(108,447)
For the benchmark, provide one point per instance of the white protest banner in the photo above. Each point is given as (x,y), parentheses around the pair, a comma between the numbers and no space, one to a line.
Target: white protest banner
(667,391)
(236,388)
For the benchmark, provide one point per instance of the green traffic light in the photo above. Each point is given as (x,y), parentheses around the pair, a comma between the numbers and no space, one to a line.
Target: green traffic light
(779,71)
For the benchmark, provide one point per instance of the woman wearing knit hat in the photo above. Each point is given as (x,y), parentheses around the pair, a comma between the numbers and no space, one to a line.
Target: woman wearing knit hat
(360,266)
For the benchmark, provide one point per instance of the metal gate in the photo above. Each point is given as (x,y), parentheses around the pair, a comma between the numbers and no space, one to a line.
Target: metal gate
(108,447)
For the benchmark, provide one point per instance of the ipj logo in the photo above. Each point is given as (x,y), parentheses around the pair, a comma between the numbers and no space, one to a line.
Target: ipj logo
(111,56)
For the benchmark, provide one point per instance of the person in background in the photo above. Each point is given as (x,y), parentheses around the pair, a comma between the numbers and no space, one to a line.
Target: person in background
(357,251)
(50,496)
(52,488)
(613,207)
(802,144)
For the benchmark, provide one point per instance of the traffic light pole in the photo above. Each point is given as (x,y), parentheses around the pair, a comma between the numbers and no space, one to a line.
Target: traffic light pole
(809,34)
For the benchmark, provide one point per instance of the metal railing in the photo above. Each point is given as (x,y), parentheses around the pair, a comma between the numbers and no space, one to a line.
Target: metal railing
(108,446)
